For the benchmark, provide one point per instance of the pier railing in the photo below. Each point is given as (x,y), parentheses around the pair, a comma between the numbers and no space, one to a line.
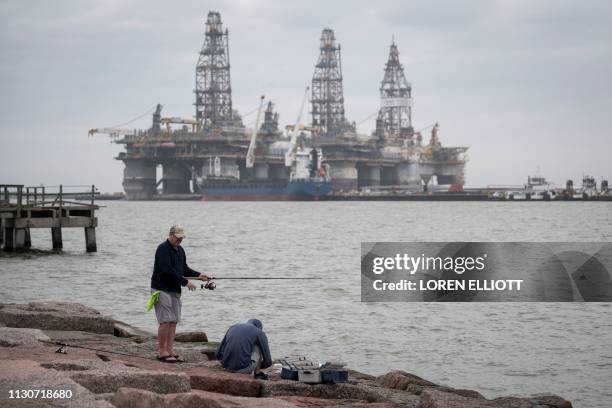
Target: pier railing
(47,196)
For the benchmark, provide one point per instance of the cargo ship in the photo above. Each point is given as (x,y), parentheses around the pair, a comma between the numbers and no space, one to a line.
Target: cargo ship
(309,180)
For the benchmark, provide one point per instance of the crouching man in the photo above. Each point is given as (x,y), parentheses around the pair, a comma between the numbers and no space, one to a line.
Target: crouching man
(244,349)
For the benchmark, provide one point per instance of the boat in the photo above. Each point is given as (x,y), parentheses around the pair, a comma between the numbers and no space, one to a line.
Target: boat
(309,180)
(588,189)
(308,175)
(537,188)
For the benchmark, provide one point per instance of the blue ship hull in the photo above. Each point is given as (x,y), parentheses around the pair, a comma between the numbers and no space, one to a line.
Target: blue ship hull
(297,190)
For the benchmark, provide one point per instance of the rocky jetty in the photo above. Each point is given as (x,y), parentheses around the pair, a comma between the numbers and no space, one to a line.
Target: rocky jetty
(108,363)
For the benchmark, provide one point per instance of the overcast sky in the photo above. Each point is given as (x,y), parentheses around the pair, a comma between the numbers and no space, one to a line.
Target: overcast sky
(527,85)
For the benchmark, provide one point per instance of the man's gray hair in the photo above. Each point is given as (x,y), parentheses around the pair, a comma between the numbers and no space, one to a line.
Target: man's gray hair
(177,230)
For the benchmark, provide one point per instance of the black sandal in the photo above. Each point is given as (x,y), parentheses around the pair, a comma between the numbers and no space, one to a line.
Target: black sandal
(167,359)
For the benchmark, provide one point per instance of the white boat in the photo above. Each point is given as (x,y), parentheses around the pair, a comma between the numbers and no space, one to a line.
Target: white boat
(537,188)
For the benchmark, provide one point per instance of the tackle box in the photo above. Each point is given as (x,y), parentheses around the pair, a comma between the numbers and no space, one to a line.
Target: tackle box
(288,373)
(312,373)
(309,376)
(289,370)
(334,376)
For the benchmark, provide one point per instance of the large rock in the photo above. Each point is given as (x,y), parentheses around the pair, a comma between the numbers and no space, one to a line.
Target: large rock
(56,316)
(326,391)
(82,337)
(104,377)
(399,397)
(438,399)
(11,337)
(192,337)
(322,403)
(227,383)
(552,401)
(193,352)
(132,398)
(209,350)
(104,382)
(122,329)
(401,380)
(29,375)
(357,375)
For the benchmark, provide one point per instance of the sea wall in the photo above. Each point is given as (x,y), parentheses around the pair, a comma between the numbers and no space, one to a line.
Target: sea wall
(108,363)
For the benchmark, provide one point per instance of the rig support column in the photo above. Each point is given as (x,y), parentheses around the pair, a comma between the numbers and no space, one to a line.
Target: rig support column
(139,179)
(368,175)
(90,239)
(176,178)
(344,175)
(56,237)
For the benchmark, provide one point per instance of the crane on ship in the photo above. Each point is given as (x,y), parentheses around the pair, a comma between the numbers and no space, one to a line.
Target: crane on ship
(290,154)
(115,133)
(118,132)
(250,156)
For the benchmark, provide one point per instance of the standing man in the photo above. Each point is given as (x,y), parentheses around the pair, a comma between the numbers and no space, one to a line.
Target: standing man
(169,274)
(245,349)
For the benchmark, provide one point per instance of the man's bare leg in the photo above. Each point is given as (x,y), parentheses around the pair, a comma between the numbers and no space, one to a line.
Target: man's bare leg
(170,338)
(162,338)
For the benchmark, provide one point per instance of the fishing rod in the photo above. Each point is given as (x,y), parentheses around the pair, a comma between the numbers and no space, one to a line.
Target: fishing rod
(244,277)
(212,285)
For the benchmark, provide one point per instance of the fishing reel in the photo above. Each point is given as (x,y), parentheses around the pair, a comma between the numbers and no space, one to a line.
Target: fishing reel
(210,285)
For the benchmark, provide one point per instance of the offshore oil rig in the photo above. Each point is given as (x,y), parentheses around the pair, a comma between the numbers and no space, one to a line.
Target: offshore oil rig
(215,147)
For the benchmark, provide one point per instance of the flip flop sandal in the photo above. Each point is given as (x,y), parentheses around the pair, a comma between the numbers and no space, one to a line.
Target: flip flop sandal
(167,359)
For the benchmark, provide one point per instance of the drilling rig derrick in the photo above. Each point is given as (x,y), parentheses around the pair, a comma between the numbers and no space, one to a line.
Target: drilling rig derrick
(213,87)
(394,122)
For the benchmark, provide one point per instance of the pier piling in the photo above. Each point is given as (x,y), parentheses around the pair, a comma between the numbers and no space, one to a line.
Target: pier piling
(28,239)
(90,239)
(20,239)
(9,239)
(56,237)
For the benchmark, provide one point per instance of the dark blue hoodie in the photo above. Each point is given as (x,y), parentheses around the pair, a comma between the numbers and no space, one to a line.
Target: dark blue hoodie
(170,268)
(237,346)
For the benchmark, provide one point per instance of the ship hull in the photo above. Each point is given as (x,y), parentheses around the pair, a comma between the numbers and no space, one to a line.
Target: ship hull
(292,191)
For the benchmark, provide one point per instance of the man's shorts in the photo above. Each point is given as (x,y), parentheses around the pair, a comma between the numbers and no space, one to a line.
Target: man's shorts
(168,307)
(255,355)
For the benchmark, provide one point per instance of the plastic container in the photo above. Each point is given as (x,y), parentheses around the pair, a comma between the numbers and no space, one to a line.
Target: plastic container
(289,374)
(334,376)
(309,376)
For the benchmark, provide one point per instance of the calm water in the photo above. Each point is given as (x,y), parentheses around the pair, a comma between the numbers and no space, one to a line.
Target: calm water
(498,349)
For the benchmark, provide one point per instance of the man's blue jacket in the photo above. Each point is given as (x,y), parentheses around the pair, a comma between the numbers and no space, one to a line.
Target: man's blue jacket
(237,346)
(170,268)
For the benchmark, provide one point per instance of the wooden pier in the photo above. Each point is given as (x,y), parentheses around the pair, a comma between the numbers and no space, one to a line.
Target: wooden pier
(23,208)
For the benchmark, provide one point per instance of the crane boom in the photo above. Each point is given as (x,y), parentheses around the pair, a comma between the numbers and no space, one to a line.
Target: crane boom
(290,154)
(114,133)
(250,157)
